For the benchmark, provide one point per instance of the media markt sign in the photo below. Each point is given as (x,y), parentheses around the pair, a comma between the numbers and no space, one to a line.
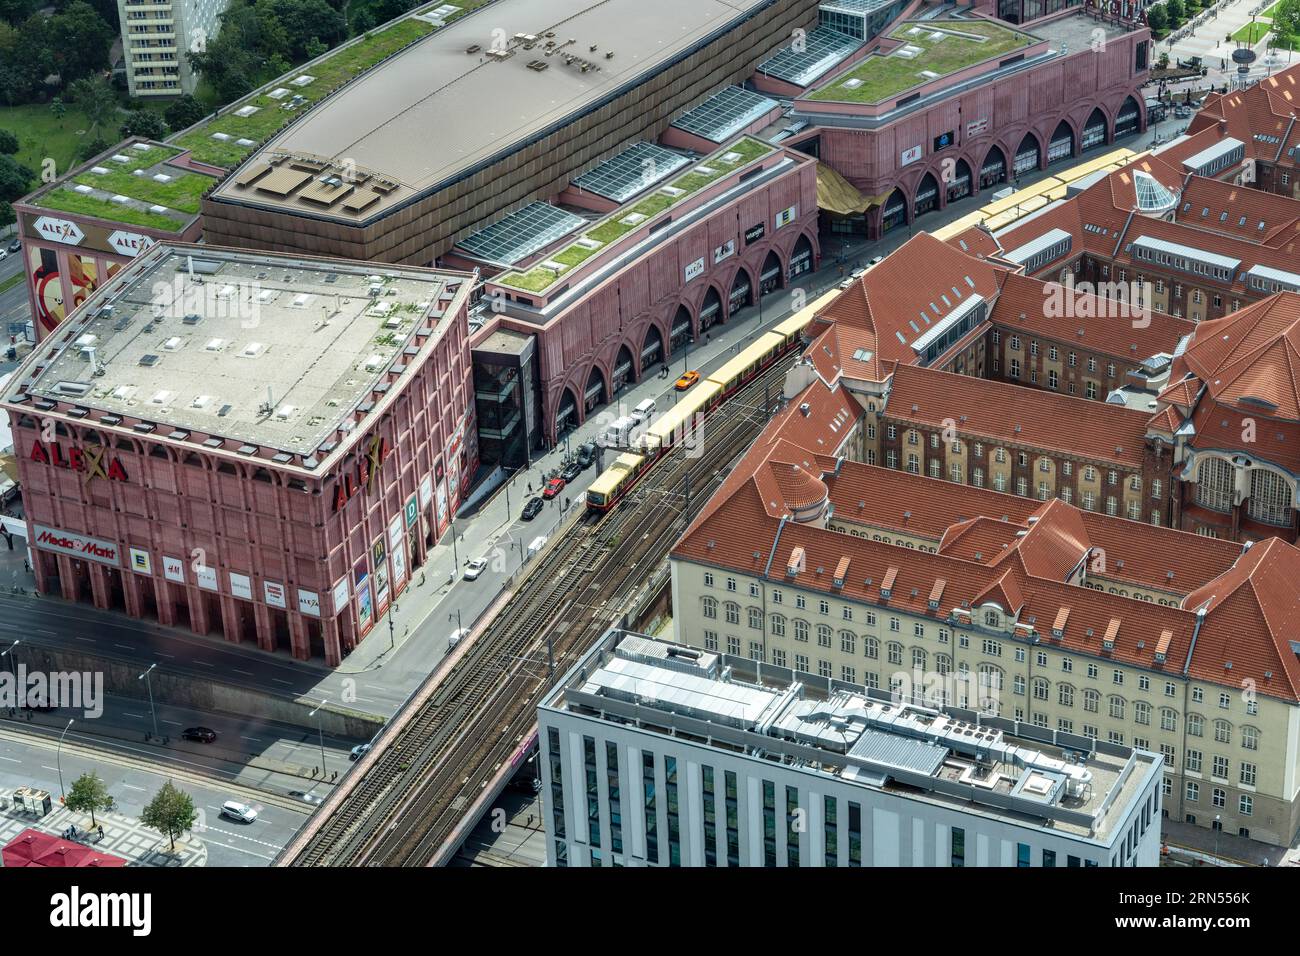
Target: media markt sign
(76,545)
(58,230)
(129,243)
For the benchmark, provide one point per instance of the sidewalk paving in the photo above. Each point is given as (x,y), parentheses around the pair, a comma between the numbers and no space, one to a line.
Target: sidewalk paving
(1228,847)
(123,837)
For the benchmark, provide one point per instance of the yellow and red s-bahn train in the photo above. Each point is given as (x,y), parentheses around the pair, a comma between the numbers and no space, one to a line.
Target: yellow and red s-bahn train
(682,419)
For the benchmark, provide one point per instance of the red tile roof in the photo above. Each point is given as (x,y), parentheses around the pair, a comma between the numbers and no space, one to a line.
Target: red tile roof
(1017,415)
(1266,108)
(1250,359)
(920,283)
(1068,313)
(1220,207)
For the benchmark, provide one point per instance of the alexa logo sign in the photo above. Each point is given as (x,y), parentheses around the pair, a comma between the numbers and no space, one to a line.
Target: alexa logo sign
(59,230)
(92,461)
(695,269)
(129,243)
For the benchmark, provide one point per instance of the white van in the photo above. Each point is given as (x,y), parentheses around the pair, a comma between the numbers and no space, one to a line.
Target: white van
(644,411)
(536,545)
(457,636)
(618,433)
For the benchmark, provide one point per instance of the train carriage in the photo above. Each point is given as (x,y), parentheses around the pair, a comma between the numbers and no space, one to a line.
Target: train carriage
(752,360)
(616,481)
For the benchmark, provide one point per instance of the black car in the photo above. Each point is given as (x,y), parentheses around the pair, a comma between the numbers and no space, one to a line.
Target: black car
(532,508)
(15,245)
(571,471)
(203,735)
(587,455)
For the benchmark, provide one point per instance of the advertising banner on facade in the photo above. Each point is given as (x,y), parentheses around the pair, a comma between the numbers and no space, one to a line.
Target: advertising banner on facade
(206,577)
(141,563)
(309,601)
(365,609)
(786,216)
(694,269)
(274,592)
(340,595)
(397,548)
(379,570)
(173,569)
(241,586)
(76,545)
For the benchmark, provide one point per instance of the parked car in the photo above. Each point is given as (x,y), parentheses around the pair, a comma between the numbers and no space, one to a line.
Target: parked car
(553,487)
(571,471)
(456,637)
(240,812)
(204,735)
(587,454)
(4,253)
(875,261)
(474,568)
(15,245)
(359,751)
(532,508)
(687,380)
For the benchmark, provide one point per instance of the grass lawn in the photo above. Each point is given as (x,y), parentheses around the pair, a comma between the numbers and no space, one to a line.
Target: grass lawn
(13,280)
(881,77)
(612,227)
(1252,33)
(41,134)
(182,193)
(330,74)
(68,201)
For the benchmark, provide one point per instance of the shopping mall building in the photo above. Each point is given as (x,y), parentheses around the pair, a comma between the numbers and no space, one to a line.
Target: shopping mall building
(264,446)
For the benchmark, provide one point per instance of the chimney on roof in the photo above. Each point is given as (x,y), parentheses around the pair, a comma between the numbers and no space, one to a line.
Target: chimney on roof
(804,409)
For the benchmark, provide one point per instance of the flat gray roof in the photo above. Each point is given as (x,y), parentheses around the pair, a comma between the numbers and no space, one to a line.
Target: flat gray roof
(435,111)
(274,351)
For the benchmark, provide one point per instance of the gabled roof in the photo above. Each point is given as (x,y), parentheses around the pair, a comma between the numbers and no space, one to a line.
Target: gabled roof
(1261,116)
(1066,313)
(898,300)
(1251,616)
(996,411)
(1250,359)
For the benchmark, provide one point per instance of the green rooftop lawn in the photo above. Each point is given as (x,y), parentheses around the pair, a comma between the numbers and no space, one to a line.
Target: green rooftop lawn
(182,193)
(330,74)
(67,200)
(884,76)
(612,228)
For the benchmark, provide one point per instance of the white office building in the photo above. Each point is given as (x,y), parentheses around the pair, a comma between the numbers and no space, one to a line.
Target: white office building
(656,754)
(156,34)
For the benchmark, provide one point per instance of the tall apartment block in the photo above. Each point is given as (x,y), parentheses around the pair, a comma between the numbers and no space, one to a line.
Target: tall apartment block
(156,34)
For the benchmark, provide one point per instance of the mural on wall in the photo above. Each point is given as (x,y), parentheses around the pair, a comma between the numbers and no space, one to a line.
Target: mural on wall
(44,267)
(82,279)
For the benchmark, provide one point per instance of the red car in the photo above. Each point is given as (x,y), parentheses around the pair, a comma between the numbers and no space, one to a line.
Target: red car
(553,488)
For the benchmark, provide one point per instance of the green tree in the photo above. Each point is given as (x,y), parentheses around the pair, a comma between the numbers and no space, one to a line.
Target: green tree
(88,794)
(79,41)
(24,60)
(184,112)
(363,20)
(144,123)
(94,97)
(16,11)
(1286,23)
(15,179)
(1156,19)
(8,142)
(232,62)
(58,108)
(1174,8)
(7,215)
(171,812)
(89,150)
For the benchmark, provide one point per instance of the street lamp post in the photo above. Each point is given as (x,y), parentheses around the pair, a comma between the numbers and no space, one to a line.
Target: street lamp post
(392,641)
(58,756)
(320,730)
(148,683)
(1218,828)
